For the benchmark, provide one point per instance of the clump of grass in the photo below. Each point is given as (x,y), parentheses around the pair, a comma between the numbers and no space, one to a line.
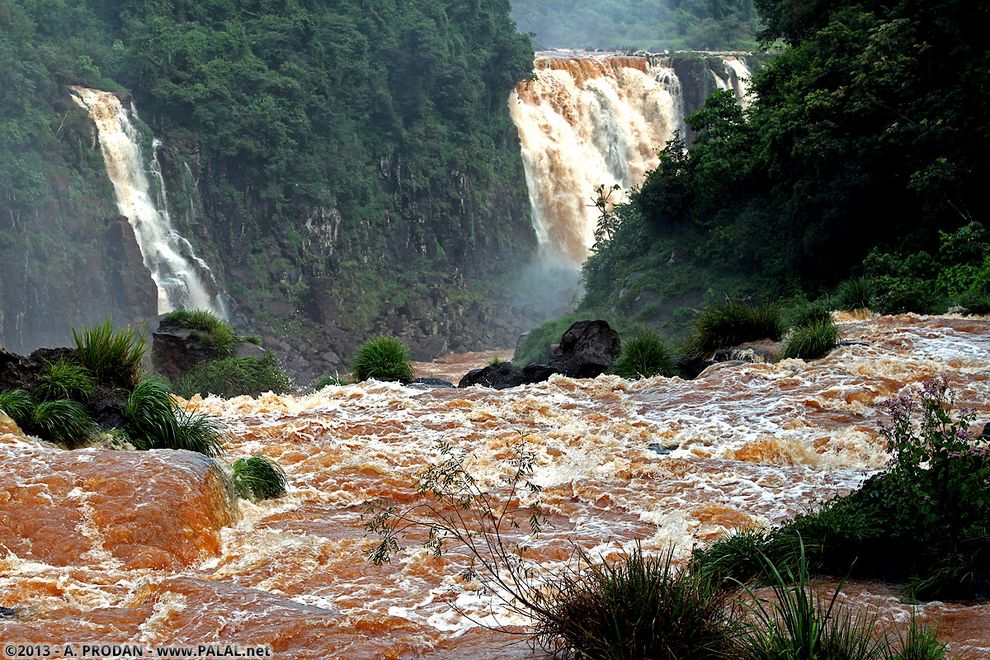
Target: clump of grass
(807,313)
(335,380)
(65,379)
(857,293)
(382,358)
(497,360)
(259,478)
(18,405)
(64,422)
(812,341)
(217,333)
(112,356)
(800,623)
(637,607)
(644,356)
(920,643)
(731,324)
(153,420)
(232,377)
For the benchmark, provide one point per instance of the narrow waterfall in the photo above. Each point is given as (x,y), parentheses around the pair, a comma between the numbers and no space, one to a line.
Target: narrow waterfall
(183,279)
(736,78)
(587,121)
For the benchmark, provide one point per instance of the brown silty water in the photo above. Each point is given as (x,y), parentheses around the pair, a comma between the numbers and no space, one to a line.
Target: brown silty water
(149,547)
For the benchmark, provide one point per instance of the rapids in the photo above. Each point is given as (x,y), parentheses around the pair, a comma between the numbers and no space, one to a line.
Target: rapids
(109,546)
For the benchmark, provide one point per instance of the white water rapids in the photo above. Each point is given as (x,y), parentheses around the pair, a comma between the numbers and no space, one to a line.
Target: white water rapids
(180,276)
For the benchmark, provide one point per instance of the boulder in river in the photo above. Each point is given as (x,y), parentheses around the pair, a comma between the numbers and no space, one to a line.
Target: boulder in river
(586,350)
(503,375)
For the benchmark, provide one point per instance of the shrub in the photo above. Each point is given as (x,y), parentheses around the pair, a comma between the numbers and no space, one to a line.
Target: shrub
(153,420)
(644,356)
(64,379)
(637,607)
(812,341)
(856,293)
(975,302)
(259,478)
(18,405)
(382,358)
(800,623)
(335,380)
(64,422)
(730,324)
(218,333)
(232,377)
(113,356)
(924,520)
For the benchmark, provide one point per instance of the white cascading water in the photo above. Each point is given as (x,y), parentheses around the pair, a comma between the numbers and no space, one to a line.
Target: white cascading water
(737,76)
(177,271)
(587,121)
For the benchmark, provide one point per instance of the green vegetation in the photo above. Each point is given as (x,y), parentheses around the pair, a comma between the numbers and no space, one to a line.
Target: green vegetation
(644,356)
(232,377)
(382,358)
(112,356)
(812,341)
(536,346)
(846,164)
(18,405)
(924,520)
(218,334)
(65,379)
(668,24)
(153,420)
(259,478)
(335,380)
(64,422)
(857,293)
(808,313)
(731,324)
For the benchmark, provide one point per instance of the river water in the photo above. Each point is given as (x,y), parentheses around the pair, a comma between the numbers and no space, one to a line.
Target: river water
(148,547)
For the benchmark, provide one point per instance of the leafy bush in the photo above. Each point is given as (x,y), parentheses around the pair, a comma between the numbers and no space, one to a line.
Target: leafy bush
(64,421)
(731,324)
(857,293)
(335,380)
(113,356)
(232,377)
(18,405)
(924,520)
(644,356)
(382,358)
(153,420)
(259,478)
(218,333)
(64,379)
(812,341)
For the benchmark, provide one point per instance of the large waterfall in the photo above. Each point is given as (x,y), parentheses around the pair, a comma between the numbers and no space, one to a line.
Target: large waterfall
(183,279)
(589,120)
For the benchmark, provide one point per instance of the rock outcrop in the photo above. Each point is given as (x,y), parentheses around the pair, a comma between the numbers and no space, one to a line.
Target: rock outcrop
(586,350)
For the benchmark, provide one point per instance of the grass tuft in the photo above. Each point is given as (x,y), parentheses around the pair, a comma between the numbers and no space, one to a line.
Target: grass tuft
(112,356)
(812,341)
(807,313)
(232,377)
(731,324)
(644,356)
(383,358)
(857,293)
(18,405)
(65,379)
(153,420)
(64,422)
(218,333)
(259,478)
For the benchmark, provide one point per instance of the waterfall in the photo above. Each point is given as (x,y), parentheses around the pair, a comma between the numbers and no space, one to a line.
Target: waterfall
(584,122)
(182,278)
(735,77)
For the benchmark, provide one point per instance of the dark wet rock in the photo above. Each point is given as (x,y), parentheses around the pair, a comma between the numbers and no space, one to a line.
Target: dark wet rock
(7,612)
(586,350)
(658,449)
(690,368)
(504,375)
(176,350)
(429,384)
